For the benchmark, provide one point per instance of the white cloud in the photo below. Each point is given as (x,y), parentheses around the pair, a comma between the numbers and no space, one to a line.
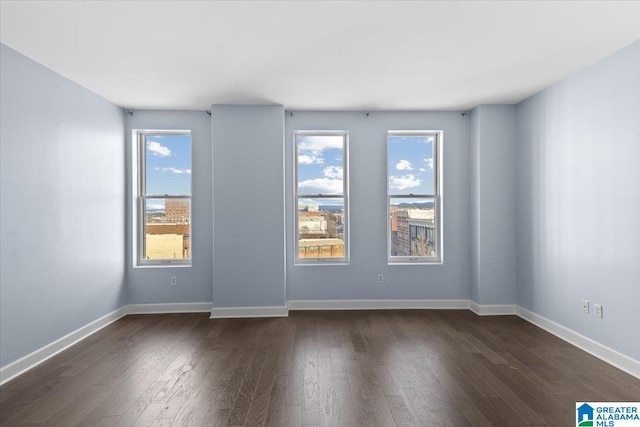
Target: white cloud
(317,144)
(310,148)
(174,170)
(404,165)
(158,149)
(403,182)
(429,162)
(416,139)
(334,172)
(321,186)
(423,169)
(155,207)
(327,202)
(310,159)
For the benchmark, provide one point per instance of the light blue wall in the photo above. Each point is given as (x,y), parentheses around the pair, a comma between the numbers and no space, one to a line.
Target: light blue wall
(248,211)
(474,133)
(152,284)
(578,204)
(62,206)
(571,199)
(368,198)
(493,190)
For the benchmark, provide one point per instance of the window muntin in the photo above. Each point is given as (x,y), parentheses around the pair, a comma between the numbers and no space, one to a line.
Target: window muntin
(164,197)
(321,203)
(413,202)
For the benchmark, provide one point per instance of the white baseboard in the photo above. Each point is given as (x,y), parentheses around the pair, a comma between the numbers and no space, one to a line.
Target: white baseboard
(609,355)
(179,307)
(492,309)
(242,312)
(31,360)
(613,357)
(454,304)
(22,365)
(451,304)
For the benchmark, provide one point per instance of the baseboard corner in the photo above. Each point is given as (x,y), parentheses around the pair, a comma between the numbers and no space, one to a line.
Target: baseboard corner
(492,309)
(596,349)
(35,358)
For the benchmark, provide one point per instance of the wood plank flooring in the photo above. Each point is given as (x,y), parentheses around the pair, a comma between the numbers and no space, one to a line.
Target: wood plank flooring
(337,368)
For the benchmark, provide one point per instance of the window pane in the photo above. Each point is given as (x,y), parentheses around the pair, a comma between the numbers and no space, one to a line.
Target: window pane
(321,228)
(167,229)
(320,164)
(168,164)
(412,227)
(411,164)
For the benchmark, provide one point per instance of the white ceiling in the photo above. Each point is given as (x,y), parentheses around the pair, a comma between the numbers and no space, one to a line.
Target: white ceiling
(317,55)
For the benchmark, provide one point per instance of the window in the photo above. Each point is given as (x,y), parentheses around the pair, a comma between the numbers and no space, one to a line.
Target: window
(321,203)
(163,202)
(414,190)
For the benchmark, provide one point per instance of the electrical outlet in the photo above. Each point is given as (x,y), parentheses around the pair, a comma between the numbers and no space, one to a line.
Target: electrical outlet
(174,281)
(597,311)
(585,306)
(380,278)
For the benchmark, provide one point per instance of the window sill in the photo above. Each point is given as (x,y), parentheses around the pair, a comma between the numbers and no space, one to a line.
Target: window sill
(316,263)
(143,266)
(406,262)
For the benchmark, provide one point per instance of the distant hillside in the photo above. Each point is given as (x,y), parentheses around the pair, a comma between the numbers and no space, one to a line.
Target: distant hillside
(330,208)
(415,205)
(426,205)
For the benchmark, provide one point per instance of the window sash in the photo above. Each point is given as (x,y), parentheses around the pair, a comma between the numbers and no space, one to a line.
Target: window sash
(411,259)
(343,196)
(142,241)
(322,257)
(435,196)
(142,197)
(142,159)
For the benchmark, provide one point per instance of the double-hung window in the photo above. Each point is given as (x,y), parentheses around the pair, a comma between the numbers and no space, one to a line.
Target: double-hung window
(163,202)
(321,197)
(414,196)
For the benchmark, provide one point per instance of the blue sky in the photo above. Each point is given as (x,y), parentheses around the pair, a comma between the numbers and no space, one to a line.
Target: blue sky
(168,160)
(321,162)
(320,165)
(410,164)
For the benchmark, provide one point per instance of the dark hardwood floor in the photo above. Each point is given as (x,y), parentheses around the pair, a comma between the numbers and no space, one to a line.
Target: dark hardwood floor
(340,368)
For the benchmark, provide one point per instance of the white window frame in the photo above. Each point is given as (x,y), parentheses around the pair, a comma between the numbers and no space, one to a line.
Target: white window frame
(436,196)
(139,196)
(344,197)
